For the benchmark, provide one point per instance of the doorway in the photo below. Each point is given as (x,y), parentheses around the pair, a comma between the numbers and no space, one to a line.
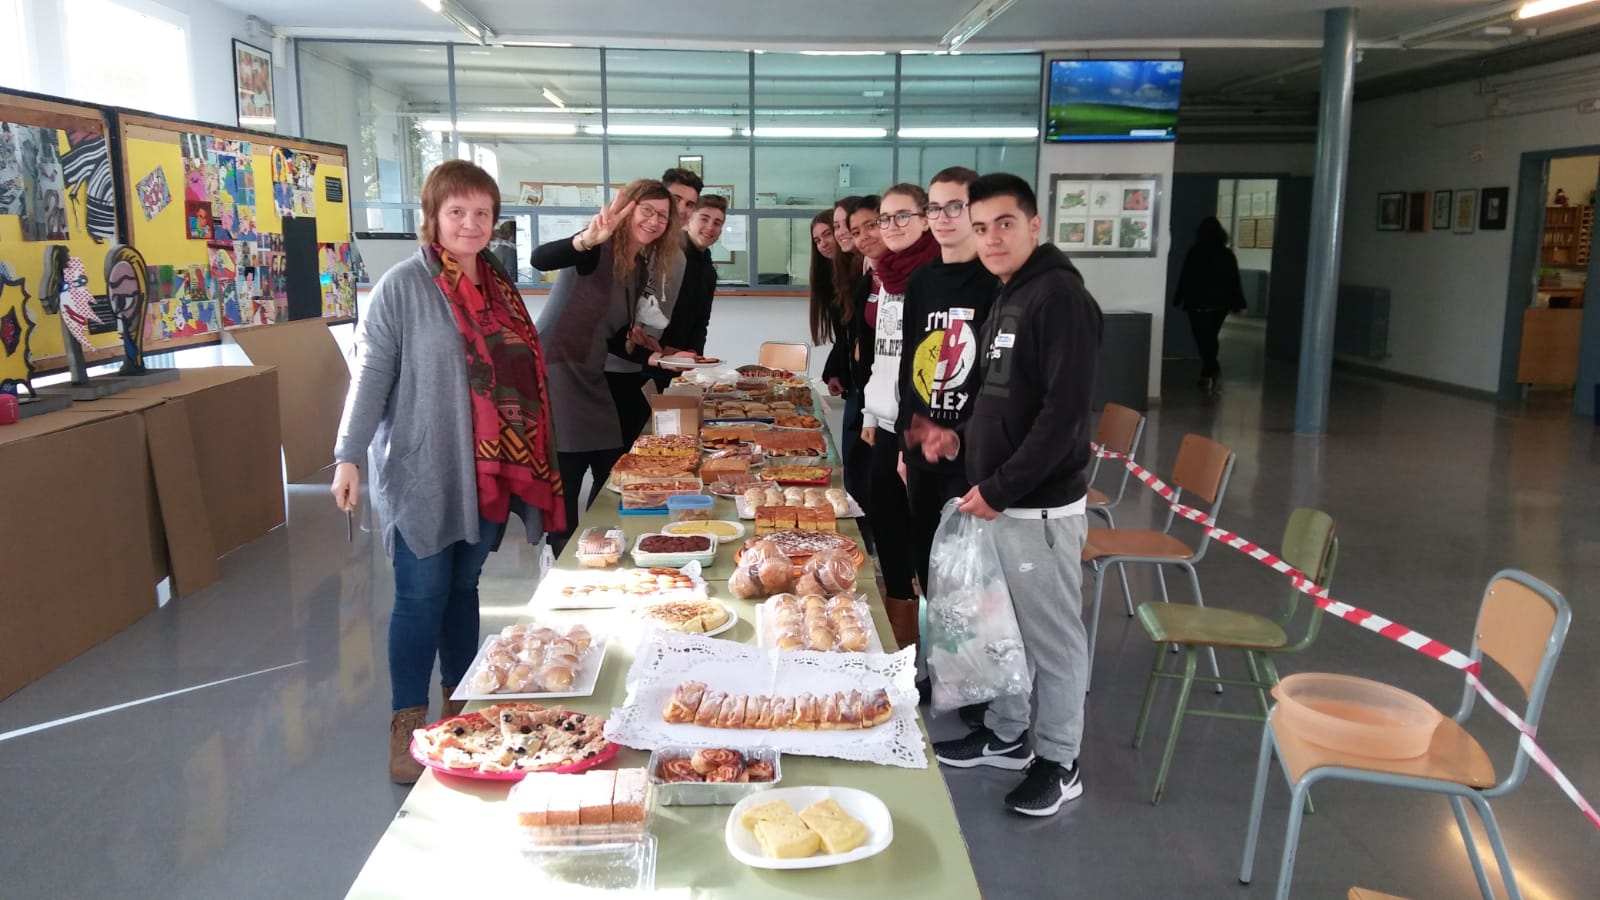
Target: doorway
(1551,350)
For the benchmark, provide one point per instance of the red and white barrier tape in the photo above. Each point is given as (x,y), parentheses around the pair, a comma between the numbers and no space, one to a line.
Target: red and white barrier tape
(1368,620)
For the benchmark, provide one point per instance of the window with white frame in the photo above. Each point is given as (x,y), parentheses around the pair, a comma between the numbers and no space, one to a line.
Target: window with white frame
(13,47)
(130,54)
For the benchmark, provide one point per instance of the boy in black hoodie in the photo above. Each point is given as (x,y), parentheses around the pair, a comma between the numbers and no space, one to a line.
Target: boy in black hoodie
(1027,451)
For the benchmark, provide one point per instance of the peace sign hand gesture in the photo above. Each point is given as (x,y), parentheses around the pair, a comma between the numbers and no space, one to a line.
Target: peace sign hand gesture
(606,221)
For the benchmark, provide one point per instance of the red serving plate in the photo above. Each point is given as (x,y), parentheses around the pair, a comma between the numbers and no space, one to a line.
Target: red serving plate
(605,755)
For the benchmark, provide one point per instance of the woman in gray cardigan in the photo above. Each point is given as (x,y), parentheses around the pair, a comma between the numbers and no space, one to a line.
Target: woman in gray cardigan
(450,394)
(627,257)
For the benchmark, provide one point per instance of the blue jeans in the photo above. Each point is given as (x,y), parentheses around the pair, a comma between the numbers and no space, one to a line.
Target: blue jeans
(435,614)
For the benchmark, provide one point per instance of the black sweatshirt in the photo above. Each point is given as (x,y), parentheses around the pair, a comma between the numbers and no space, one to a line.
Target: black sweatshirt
(1027,442)
(691,315)
(946,306)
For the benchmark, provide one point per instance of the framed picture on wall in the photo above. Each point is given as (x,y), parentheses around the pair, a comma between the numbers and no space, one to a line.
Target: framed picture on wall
(695,164)
(1441,210)
(1465,220)
(252,86)
(1245,239)
(1417,211)
(1492,208)
(1392,211)
(1105,215)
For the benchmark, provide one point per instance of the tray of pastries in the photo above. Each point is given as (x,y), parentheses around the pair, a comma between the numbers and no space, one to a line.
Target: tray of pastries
(792,442)
(632,467)
(795,420)
(507,741)
(707,617)
(652,494)
(790,473)
(667,445)
(800,546)
(712,776)
(835,499)
(733,484)
(532,661)
(568,589)
(694,703)
(722,437)
(598,809)
(840,624)
(720,468)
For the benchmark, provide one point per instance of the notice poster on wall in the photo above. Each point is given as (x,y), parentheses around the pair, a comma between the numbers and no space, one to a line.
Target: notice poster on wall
(1104,215)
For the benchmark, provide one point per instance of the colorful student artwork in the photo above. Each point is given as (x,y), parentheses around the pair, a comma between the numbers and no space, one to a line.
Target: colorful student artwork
(86,170)
(338,279)
(154,194)
(77,304)
(16,328)
(128,295)
(294,182)
(1105,215)
(32,185)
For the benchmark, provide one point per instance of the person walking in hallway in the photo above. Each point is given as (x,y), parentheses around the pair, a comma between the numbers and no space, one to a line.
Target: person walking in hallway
(1208,289)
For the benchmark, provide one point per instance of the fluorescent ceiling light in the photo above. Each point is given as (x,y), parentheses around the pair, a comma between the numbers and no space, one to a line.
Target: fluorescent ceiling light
(973,131)
(434,5)
(507,127)
(554,98)
(534,43)
(1542,7)
(973,22)
(783,131)
(706,131)
(462,18)
(843,52)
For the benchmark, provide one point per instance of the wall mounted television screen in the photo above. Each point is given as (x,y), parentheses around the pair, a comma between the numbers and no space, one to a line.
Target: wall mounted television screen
(1113,100)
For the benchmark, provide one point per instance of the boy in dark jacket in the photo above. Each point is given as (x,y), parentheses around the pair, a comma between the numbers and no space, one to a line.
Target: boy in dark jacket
(1027,452)
(691,315)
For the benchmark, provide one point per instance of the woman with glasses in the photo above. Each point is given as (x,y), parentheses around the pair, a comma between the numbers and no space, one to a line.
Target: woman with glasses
(902,228)
(626,262)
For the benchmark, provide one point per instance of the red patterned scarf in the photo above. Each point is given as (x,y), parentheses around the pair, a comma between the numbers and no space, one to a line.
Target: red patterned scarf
(513,444)
(894,268)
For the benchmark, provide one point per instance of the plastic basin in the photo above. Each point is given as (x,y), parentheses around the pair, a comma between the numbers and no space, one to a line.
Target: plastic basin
(1356,715)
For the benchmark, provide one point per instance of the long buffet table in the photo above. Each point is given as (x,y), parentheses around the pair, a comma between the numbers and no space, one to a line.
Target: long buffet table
(457,834)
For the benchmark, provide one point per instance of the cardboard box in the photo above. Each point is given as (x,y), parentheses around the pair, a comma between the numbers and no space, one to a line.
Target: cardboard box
(76,533)
(313,379)
(675,413)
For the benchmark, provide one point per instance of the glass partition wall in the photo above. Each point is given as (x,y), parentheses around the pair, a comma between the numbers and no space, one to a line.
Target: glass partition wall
(781,135)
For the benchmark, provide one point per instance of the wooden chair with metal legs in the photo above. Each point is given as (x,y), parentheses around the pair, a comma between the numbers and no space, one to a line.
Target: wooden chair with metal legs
(1521,625)
(1119,430)
(1203,469)
(1309,544)
(785,355)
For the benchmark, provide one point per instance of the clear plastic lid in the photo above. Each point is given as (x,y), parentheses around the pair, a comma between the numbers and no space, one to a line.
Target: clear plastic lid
(690,501)
(597,808)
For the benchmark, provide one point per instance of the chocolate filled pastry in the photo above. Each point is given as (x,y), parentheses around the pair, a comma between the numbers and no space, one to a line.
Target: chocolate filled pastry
(678,770)
(759,771)
(704,761)
(733,772)
(710,708)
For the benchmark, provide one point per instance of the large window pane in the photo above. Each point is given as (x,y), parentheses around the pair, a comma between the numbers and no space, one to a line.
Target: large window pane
(390,104)
(815,114)
(125,57)
(785,249)
(667,104)
(979,111)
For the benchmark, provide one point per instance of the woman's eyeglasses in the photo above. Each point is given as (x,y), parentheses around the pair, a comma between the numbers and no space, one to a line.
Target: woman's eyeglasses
(951,210)
(646,214)
(900,219)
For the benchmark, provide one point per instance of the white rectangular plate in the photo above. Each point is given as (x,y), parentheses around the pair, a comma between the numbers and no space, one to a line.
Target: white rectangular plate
(583,680)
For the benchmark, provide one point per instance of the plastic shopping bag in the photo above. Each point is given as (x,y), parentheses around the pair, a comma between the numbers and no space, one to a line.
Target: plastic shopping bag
(975,647)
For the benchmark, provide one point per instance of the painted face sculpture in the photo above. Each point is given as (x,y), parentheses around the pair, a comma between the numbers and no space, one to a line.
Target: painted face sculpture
(128,292)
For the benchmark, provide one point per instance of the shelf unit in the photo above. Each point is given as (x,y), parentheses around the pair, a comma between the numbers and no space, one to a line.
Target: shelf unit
(1568,235)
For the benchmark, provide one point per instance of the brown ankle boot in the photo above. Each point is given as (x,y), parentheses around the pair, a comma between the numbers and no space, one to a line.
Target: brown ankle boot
(452,708)
(902,620)
(402,768)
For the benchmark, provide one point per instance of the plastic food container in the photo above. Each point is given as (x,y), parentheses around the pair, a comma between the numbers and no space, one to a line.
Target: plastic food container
(1357,715)
(653,493)
(690,507)
(599,546)
(628,869)
(537,798)
(703,793)
(704,557)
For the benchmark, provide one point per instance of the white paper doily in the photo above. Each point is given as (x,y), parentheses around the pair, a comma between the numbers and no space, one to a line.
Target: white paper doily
(666,659)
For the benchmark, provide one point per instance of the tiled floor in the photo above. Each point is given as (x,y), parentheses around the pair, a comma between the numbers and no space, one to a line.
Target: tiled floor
(273,785)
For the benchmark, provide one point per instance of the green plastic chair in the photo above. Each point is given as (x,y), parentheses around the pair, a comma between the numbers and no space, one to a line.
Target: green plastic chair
(1521,626)
(1309,544)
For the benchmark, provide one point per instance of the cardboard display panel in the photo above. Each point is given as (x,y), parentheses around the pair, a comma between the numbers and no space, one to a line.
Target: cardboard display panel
(170,439)
(56,187)
(313,379)
(88,569)
(211,209)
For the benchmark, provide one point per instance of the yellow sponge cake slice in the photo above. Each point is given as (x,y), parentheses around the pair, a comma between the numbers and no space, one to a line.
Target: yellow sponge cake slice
(787,838)
(840,832)
(775,811)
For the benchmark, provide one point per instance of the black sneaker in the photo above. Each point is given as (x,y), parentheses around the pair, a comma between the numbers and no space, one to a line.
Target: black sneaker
(983,748)
(1046,786)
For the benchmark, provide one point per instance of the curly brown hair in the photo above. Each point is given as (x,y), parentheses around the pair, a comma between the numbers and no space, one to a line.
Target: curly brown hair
(660,253)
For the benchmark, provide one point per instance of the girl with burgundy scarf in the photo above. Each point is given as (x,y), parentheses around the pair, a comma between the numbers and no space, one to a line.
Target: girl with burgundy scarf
(449,392)
(902,227)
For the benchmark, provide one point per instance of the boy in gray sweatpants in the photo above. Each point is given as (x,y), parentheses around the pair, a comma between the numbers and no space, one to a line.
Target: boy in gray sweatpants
(1027,453)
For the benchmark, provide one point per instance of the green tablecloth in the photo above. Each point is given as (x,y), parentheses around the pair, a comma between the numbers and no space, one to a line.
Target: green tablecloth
(458,835)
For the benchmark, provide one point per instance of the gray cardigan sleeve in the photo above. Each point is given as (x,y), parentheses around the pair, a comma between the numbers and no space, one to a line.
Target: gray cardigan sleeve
(376,372)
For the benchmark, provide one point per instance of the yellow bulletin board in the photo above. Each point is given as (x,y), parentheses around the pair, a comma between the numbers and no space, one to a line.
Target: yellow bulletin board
(30,339)
(241,264)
